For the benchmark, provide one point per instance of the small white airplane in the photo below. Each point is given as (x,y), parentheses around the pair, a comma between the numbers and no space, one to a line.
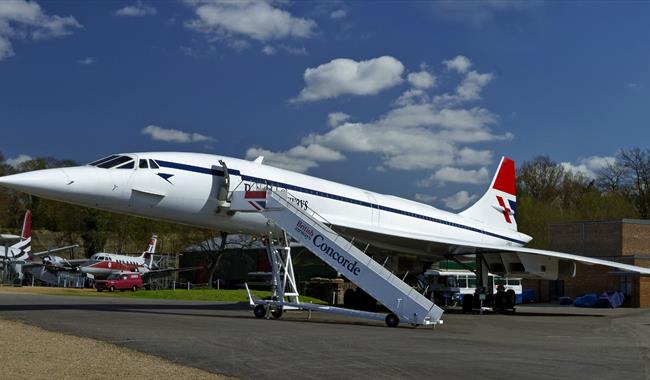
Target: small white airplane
(20,255)
(102,264)
(194,189)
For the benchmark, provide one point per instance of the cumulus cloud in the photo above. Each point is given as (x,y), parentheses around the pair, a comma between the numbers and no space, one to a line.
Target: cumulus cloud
(421,80)
(338,14)
(344,76)
(16,161)
(137,10)
(478,13)
(418,132)
(26,20)
(299,159)
(459,200)
(425,198)
(237,21)
(334,119)
(269,50)
(459,63)
(590,166)
(456,175)
(173,135)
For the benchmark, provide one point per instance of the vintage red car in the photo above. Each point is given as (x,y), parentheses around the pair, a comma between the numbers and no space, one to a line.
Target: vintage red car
(120,281)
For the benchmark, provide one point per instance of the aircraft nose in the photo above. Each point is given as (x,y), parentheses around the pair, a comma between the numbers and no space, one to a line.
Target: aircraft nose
(39,182)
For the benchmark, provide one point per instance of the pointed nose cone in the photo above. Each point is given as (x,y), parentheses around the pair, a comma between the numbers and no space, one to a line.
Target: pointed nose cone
(48,183)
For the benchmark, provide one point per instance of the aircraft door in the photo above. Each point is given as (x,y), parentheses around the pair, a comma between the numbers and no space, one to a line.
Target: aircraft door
(375,209)
(148,188)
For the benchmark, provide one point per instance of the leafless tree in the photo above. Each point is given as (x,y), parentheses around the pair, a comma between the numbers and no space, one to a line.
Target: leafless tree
(637,163)
(540,178)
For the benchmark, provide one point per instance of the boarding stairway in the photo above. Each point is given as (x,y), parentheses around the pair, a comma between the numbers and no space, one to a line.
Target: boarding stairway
(307,227)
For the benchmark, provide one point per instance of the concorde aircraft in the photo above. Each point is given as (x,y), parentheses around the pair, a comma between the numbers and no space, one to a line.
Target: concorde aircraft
(195,189)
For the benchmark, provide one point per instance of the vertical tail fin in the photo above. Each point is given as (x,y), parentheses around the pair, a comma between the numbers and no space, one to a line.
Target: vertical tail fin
(498,206)
(22,250)
(27,226)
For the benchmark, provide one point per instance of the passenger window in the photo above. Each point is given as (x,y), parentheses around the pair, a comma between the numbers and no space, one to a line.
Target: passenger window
(143,164)
(153,164)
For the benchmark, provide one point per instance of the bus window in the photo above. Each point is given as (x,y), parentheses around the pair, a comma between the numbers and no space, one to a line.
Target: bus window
(451,281)
(462,281)
(514,282)
(499,281)
(471,282)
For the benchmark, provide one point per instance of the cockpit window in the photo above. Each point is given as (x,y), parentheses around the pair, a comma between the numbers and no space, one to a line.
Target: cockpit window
(143,164)
(102,160)
(128,165)
(114,162)
(153,164)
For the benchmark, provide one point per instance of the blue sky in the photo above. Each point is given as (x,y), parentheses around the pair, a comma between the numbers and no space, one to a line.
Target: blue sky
(414,99)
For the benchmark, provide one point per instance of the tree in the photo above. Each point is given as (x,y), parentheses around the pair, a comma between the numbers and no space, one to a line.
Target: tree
(637,177)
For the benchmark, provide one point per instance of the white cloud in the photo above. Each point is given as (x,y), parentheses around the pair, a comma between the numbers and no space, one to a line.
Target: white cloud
(459,63)
(417,133)
(426,198)
(87,61)
(590,166)
(334,119)
(173,135)
(247,19)
(421,80)
(269,50)
(25,20)
(338,14)
(344,76)
(299,159)
(473,84)
(294,50)
(137,10)
(456,175)
(459,200)
(16,161)
(478,13)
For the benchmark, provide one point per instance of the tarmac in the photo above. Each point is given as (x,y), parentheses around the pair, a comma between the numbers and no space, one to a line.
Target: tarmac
(224,338)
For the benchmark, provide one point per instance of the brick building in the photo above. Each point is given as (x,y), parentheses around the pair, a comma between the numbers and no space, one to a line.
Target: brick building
(626,241)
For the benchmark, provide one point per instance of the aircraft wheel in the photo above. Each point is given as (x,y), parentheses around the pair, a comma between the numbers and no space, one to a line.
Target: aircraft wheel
(259,311)
(392,320)
(276,313)
(112,289)
(350,299)
(135,288)
(511,299)
(468,301)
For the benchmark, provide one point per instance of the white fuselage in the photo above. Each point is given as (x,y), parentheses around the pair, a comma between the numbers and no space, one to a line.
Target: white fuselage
(185,187)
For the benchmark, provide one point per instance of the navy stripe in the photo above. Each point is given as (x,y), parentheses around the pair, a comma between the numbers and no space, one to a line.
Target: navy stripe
(219,172)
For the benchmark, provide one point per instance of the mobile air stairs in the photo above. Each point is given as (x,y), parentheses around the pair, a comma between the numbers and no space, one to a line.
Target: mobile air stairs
(307,227)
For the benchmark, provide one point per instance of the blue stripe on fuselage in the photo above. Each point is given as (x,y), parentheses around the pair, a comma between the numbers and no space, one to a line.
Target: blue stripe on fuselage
(219,172)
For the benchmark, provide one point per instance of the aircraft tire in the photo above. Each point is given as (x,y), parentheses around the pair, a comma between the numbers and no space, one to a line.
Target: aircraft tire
(276,313)
(392,320)
(511,299)
(468,301)
(350,299)
(259,311)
